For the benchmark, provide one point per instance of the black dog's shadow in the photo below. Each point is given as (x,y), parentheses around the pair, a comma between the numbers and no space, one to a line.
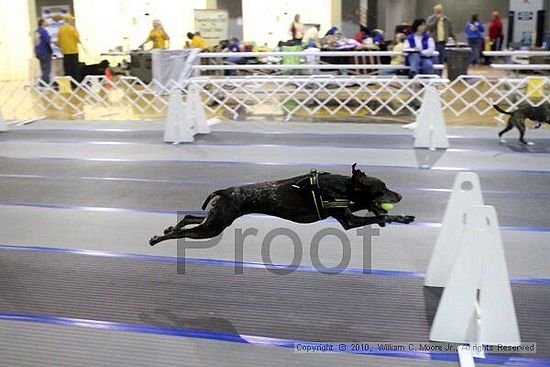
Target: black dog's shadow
(198,351)
(165,318)
(537,147)
(426,158)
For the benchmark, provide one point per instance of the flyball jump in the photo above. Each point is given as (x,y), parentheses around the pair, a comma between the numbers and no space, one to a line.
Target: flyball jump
(303,199)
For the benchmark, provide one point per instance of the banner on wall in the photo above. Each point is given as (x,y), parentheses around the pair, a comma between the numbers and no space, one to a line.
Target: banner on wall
(53,15)
(525,20)
(212,24)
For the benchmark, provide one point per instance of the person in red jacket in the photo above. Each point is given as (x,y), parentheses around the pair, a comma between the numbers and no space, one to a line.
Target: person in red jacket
(495,32)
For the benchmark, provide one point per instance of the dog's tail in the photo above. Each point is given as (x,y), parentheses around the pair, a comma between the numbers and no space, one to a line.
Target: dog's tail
(208,199)
(499,109)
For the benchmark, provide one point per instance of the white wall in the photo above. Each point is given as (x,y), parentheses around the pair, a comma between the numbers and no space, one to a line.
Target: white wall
(268,21)
(525,26)
(16,47)
(105,24)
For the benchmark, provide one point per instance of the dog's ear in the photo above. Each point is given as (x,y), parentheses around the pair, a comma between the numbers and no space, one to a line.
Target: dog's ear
(356,175)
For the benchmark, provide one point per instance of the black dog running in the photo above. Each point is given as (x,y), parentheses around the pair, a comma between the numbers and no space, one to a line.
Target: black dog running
(303,199)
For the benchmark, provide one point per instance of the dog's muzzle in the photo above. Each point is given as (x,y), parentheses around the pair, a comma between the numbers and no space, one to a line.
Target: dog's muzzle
(390,197)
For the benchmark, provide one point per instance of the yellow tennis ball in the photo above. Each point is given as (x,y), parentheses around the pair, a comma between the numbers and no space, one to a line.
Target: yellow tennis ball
(387,206)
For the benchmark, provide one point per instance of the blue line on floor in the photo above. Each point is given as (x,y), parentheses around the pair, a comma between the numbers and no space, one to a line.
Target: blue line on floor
(289,164)
(219,183)
(263,145)
(260,145)
(502,360)
(200,212)
(244,264)
(160,130)
(99,209)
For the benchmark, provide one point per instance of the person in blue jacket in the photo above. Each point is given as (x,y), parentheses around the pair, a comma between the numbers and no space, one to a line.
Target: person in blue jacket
(43,51)
(419,47)
(474,32)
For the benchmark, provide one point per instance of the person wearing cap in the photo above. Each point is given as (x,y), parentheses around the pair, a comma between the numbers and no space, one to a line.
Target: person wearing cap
(157,35)
(68,40)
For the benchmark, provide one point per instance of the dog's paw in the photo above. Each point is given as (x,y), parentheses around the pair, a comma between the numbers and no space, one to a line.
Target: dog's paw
(154,240)
(405,219)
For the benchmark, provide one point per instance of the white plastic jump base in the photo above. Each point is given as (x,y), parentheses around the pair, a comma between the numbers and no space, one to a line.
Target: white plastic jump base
(173,133)
(184,120)
(3,125)
(430,131)
(477,305)
(195,111)
(466,193)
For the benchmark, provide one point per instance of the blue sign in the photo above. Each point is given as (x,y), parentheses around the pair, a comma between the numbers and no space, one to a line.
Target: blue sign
(525,15)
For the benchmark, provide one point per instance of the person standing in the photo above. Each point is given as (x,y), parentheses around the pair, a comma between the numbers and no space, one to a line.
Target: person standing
(419,47)
(495,32)
(68,40)
(441,29)
(196,41)
(158,36)
(474,31)
(296,29)
(43,52)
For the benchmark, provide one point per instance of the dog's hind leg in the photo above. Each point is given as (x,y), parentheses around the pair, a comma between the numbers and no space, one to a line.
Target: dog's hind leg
(211,227)
(508,127)
(188,219)
(521,128)
(208,229)
(170,236)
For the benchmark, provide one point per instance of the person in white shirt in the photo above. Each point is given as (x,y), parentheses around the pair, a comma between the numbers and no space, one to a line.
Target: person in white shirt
(420,47)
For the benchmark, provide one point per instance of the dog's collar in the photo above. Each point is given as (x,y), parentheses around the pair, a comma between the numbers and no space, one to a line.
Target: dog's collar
(320,204)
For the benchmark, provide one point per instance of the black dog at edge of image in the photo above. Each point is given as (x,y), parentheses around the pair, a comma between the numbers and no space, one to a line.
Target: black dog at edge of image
(93,69)
(303,199)
(517,119)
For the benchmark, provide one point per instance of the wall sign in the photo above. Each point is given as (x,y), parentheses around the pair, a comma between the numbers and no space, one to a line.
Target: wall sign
(212,24)
(525,15)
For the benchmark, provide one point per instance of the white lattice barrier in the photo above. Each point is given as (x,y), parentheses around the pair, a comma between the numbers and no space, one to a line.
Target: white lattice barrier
(289,94)
(313,94)
(478,94)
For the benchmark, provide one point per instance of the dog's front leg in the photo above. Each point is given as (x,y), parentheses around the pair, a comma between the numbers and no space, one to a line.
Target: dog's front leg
(349,221)
(405,219)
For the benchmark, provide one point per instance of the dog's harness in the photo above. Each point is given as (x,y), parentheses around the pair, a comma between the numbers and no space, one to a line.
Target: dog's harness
(320,204)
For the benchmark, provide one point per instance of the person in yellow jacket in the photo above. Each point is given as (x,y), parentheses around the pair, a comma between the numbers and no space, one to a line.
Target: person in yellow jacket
(158,36)
(68,40)
(196,41)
